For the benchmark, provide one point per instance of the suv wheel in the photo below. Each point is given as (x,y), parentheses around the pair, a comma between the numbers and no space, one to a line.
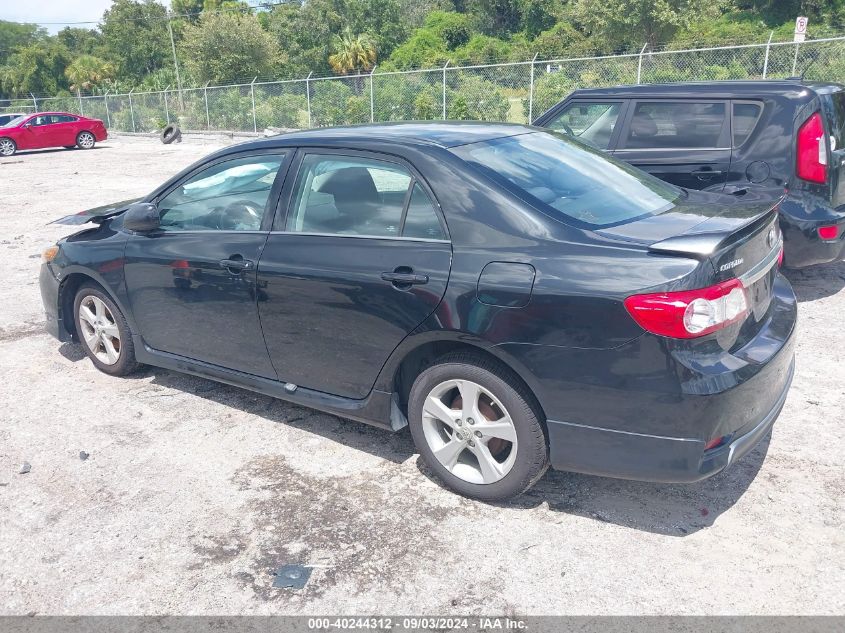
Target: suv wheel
(104,333)
(475,426)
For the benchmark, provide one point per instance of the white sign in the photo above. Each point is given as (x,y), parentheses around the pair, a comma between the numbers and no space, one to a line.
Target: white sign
(800,29)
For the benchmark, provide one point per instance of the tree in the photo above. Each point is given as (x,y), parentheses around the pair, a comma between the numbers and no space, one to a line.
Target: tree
(37,68)
(88,72)
(80,41)
(632,22)
(14,35)
(136,37)
(229,48)
(352,53)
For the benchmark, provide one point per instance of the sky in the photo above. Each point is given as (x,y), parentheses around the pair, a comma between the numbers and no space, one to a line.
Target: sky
(43,11)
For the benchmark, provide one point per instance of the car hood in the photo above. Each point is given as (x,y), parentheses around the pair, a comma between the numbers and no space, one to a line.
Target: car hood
(97,214)
(699,213)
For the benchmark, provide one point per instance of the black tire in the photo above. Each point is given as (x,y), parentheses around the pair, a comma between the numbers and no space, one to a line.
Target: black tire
(126,363)
(532,448)
(7,147)
(85,140)
(171,133)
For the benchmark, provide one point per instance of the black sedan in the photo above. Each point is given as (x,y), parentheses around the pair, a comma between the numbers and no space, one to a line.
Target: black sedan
(514,297)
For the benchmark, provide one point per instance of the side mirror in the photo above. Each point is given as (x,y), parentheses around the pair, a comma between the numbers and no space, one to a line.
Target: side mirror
(141,217)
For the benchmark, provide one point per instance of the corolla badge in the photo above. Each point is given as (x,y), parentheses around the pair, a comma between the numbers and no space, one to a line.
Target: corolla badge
(730,265)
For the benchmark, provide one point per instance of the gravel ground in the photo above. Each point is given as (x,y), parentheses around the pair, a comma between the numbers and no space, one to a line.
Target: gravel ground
(195,491)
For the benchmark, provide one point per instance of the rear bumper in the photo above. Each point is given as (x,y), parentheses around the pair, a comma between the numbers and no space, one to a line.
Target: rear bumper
(802,245)
(653,458)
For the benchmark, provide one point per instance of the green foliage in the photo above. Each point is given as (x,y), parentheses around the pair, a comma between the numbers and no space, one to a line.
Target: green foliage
(14,35)
(36,68)
(472,97)
(229,48)
(135,37)
(334,102)
(87,72)
(425,109)
(352,53)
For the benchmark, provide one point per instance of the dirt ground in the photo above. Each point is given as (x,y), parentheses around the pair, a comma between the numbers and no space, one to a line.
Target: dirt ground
(194,492)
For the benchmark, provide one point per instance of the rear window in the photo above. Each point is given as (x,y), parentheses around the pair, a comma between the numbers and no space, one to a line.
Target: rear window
(569,180)
(676,125)
(833,105)
(745,120)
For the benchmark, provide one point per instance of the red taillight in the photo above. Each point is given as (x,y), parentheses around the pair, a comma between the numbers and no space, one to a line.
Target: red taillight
(828,232)
(812,150)
(780,257)
(716,441)
(690,313)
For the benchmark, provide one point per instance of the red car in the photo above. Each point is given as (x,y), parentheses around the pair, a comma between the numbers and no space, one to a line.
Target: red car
(50,129)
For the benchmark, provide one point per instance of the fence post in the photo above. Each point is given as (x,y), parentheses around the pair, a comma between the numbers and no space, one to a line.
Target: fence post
(795,59)
(531,92)
(444,89)
(372,96)
(252,94)
(166,109)
(205,96)
(106,103)
(308,95)
(79,96)
(640,63)
(34,102)
(132,112)
(766,60)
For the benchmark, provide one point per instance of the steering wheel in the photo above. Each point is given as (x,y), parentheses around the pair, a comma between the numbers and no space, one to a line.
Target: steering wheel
(566,128)
(238,213)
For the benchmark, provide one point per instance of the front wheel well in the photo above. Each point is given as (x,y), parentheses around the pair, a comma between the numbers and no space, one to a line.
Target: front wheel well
(428,354)
(67,294)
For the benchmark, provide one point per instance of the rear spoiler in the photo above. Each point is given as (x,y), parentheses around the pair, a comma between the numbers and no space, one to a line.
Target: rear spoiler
(97,214)
(705,244)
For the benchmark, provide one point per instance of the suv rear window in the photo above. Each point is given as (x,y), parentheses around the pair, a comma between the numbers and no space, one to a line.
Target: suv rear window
(565,178)
(680,124)
(834,110)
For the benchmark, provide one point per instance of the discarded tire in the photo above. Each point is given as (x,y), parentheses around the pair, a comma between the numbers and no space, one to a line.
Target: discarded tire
(171,133)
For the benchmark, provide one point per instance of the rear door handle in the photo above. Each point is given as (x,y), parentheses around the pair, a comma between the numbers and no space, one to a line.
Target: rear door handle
(404,279)
(706,173)
(236,266)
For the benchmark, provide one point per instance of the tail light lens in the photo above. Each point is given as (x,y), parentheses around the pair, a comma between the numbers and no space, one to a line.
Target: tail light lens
(690,313)
(812,150)
(828,232)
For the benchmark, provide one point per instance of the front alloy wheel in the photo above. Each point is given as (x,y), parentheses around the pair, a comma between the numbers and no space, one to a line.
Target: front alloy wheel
(85,140)
(7,147)
(104,332)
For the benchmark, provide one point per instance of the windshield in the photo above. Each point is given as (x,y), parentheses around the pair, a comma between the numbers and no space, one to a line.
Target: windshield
(564,177)
(15,122)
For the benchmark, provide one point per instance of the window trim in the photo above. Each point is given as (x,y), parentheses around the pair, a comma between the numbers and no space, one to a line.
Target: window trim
(286,200)
(621,119)
(724,141)
(270,206)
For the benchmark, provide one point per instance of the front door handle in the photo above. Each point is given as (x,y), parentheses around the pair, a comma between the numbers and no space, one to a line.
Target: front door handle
(236,264)
(404,279)
(705,174)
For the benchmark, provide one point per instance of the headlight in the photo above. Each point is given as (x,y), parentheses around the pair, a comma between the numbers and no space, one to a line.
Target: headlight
(50,254)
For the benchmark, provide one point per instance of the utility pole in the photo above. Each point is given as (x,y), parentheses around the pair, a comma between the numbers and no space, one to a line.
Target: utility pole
(175,61)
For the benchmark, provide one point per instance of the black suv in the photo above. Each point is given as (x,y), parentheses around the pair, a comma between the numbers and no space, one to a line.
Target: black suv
(739,137)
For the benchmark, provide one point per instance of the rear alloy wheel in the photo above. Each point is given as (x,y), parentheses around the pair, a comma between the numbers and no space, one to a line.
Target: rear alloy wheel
(104,333)
(85,140)
(7,147)
(475,427)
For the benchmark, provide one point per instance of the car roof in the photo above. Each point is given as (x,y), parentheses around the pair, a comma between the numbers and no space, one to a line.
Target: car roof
(794,88)
(61,113)
(441,134)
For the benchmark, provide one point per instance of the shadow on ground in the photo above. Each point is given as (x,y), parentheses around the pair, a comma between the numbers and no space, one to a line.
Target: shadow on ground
(817,282)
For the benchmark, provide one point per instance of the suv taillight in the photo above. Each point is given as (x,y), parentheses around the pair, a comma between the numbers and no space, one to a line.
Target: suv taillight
(690,313)
(812,150)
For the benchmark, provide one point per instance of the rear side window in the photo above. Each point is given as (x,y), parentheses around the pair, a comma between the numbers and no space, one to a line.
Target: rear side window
(676,125)
(592,122)
(834,109)
(66,118)
(744,121)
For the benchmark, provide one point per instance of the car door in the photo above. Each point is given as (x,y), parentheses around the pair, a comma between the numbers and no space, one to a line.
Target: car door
(684,142)
(36,132)
(593,121)
(358,260)
(65,130)
(192,284)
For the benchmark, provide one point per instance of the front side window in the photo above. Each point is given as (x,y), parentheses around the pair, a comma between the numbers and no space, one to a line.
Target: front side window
(675,125)
(42,119)
(228,196)
(567,179)
(348,195)
(590,122)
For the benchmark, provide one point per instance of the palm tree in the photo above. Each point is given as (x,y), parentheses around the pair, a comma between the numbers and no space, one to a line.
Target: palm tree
(87,72)
(352,53)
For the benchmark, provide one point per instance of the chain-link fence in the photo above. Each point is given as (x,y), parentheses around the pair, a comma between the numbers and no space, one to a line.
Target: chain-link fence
(517,92)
